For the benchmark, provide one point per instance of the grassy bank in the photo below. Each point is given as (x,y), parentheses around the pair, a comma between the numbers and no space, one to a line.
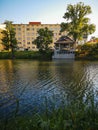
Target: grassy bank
(27,55)
(79,114)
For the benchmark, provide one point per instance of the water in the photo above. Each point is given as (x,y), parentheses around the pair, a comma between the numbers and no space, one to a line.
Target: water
(25,84)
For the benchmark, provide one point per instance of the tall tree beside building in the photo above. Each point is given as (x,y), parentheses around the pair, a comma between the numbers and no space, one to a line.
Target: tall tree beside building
(44,39)
(77,24)
(9,41)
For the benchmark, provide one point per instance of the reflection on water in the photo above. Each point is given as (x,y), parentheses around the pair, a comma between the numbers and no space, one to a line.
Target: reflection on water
(26,83)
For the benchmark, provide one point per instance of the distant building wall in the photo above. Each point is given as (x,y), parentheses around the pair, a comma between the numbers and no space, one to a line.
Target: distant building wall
(27,33)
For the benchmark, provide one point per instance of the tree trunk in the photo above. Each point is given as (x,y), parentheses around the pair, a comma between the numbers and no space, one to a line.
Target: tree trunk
(12,53)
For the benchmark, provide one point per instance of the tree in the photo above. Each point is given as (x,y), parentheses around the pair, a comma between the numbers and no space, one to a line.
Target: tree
(9,41)
(44,39)
(77,24)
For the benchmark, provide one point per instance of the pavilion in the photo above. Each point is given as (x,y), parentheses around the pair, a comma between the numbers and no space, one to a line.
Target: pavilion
(64,48)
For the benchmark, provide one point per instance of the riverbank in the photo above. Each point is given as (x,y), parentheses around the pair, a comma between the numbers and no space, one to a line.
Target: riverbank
(36,55)
(90,57)
(27,55)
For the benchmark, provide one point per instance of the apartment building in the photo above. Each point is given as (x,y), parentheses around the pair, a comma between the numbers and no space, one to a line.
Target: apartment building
(27,33)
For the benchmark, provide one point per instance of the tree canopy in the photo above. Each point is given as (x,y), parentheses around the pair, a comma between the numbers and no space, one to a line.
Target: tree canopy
(44,39)
(77,24)
(9,41)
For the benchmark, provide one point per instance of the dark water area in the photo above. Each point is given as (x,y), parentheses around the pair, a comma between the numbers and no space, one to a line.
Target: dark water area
(27,86)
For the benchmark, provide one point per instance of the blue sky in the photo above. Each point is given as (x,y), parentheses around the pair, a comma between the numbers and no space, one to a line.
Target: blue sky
(45,11)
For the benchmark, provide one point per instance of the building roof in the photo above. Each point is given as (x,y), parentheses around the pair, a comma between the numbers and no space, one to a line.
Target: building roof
(34,23)
(64,40)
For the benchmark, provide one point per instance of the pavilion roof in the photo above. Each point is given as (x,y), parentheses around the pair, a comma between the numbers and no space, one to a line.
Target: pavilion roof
(64,40)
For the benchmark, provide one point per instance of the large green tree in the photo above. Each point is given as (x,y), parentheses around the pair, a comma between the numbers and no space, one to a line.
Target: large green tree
(9,41)
(77,24)
(44,39)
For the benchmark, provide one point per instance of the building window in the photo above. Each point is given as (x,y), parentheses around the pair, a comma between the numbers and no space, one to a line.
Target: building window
(19,29)
(28,42)
(33,47)
(19,42)
(28,29)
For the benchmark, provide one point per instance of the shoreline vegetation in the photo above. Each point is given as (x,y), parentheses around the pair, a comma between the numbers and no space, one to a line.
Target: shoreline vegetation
(79,114)
(87,51)
(36,55)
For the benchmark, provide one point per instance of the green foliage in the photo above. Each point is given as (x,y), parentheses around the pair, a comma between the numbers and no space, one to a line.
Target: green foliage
(44,39)
(27,55)
(77,25)
(9,41)
(5,39)
(88,51)
(5,55)
(86,48)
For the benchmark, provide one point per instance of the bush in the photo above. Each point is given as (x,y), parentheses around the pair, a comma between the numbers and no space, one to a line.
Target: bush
(5,55)
(88,52)
(27,55)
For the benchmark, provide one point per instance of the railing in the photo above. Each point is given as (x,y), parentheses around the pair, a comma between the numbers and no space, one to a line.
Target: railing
(65,52)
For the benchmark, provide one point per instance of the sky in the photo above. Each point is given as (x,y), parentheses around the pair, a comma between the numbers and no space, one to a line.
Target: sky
(44,11)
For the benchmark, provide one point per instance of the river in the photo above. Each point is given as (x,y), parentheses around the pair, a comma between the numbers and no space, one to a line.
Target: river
(25,85)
